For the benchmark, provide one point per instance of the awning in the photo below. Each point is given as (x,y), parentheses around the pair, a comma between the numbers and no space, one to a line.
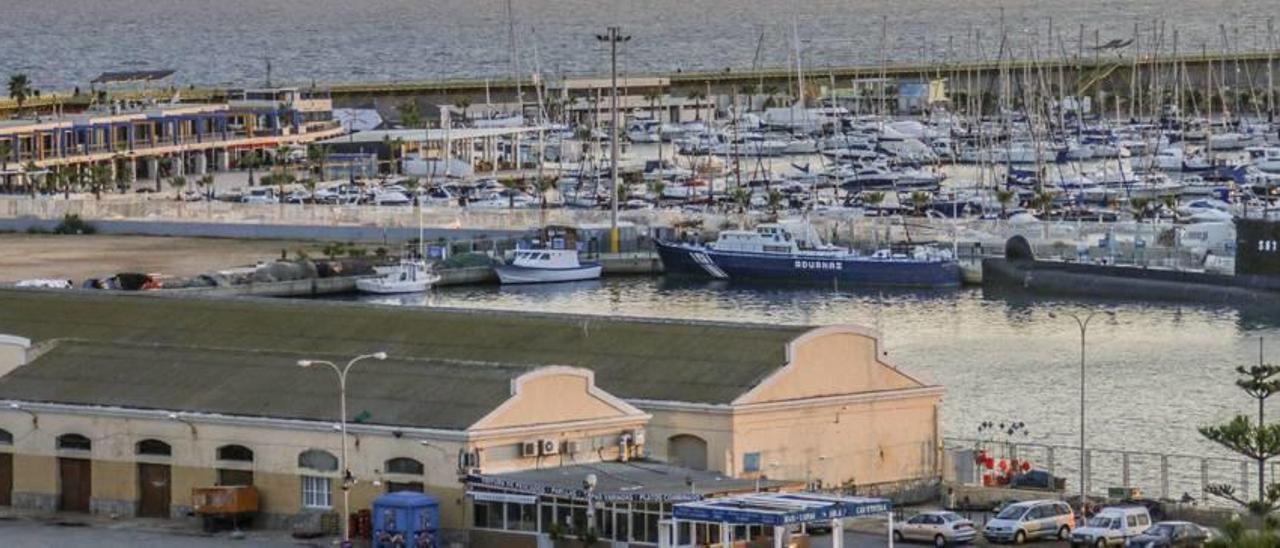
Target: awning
(636,481)
(779,508)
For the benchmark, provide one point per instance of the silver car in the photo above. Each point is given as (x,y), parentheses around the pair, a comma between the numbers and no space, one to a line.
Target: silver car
(940,528)
(1036,519)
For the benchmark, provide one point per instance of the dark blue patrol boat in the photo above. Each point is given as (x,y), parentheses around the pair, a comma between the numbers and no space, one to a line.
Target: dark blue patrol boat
(793,253)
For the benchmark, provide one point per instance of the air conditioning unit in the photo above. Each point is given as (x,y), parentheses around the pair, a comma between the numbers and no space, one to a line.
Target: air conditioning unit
(550,447)
(529,449)
(571,447)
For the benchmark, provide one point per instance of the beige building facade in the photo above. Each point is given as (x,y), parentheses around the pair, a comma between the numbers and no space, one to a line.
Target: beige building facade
(659,411)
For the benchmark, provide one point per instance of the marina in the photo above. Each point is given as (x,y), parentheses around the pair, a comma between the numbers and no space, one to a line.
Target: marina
(558,275)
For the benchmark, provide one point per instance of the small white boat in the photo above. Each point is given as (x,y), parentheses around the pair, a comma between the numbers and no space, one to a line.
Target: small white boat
(546,265)
(409,276)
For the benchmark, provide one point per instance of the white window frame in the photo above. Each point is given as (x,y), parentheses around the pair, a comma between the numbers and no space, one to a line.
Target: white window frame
(315,496)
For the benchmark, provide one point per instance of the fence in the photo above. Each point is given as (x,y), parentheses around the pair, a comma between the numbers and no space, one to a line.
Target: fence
(1156,474)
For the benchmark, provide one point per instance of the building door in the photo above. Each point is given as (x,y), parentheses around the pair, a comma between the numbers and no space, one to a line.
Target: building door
(6,479)
(415,486)
(153,490)
(75,483)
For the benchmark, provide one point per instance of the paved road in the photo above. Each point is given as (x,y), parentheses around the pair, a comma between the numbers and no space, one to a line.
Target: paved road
(36,534)
(864,540)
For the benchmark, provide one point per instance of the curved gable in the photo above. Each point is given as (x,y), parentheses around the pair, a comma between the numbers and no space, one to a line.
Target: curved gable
(555,394)
(830,361)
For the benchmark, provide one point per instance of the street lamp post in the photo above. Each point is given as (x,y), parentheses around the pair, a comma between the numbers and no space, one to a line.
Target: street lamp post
(347,480)
(1083,324)
(613,37)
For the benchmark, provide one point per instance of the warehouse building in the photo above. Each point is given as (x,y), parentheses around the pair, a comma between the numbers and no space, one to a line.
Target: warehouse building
(122,404)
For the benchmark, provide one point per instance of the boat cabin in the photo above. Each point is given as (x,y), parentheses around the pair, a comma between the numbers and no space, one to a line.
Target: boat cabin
(781,237)
(546,258)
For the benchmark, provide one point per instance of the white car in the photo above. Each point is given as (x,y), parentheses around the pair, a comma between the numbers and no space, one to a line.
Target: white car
(940,528)
(1036,519)
(1112,526)
(260,195)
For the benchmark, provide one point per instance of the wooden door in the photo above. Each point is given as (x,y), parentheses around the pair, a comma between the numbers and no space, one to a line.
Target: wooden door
(153,490)
(75,483)
(6,479)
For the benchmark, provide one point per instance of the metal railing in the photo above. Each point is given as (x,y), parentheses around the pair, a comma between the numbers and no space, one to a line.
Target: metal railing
(1157,474)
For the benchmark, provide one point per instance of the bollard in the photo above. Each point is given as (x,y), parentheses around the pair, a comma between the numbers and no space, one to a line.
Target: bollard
(1052,469)
(1124,469)
(1204,480)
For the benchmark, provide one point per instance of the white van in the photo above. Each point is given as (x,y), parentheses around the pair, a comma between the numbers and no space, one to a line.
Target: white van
(1112,526)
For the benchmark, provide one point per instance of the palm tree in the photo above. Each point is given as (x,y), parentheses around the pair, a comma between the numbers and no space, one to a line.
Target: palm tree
(742,197)
(54,181)
(697,96)
(99,178)
(1043,201)
(122,175)
(512,185)
(775,201)
(1138,206)
(177,182)
(410,114)
(20,89)
(250,161)
(658,188)
(29,172)
(919,201)
(411,184)
(653,96)
(1005,196)
(545,185)
(462,104)
(318,156)
(395,147)
(204,183)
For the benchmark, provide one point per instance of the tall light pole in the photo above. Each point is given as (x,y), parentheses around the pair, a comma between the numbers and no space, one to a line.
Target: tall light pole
(342,410)
(1083,324)
(613,37)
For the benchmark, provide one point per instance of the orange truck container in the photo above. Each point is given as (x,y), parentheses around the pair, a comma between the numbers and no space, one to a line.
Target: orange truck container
(223,500)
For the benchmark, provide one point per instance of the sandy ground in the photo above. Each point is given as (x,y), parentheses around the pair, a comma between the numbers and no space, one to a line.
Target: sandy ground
(26,256)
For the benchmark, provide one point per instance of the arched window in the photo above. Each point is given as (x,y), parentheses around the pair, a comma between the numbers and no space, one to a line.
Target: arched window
(235,452)
(154,447)
(402,465)
(6,438)
(74,442)
(316,459)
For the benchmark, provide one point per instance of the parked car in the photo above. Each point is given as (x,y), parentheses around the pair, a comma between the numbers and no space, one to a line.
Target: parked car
(1035,519)
(1112,526)
(940,528)
(260,195)
(1170,534)
(1037,479)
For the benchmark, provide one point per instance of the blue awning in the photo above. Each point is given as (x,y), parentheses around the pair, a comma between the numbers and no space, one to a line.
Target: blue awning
(779,508)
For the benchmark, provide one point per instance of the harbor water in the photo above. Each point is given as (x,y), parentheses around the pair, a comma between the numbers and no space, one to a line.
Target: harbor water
(65,43)
(1155,373)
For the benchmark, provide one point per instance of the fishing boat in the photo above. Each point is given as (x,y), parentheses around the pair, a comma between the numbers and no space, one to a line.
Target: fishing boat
(410,275)
(529,266)
(793,252)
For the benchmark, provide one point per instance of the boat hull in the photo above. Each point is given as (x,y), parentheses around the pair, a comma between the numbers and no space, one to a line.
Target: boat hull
(380,287)
(511,274)
(850,271)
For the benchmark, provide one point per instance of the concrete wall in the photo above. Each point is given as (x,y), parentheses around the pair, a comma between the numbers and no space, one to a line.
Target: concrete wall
(13,352)
(264,231)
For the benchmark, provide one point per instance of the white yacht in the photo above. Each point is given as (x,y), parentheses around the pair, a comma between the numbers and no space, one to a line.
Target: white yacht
(546,265)
(408,276)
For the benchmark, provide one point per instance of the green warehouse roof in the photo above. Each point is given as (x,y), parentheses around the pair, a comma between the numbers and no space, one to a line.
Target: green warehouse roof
(704,362)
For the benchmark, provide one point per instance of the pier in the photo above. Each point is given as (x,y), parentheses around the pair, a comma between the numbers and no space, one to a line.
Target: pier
(1094,72)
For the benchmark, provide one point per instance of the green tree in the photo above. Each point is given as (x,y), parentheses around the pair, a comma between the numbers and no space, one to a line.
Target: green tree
(1005,197)
(1138,206)
(410,114)
(1258,442)
(177,183)
(122,181)
(512,185)
(919,201)
(775,201)
(544,184)
(250,162)
(742,197)
(395,148)
(99,178)
(697,96)
(204,183)
(20,89)
(29,174)
(318,156)
(411,185)
(6,151)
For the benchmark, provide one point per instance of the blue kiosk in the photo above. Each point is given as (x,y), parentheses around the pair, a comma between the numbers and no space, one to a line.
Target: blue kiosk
(406,519)
(776,510)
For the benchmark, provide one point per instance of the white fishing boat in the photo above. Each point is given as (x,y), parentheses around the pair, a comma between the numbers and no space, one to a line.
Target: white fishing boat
(545,266)
(408,276)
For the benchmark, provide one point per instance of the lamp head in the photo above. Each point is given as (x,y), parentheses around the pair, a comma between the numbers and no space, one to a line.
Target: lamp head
(305,363)
(14,406)
(379,355)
